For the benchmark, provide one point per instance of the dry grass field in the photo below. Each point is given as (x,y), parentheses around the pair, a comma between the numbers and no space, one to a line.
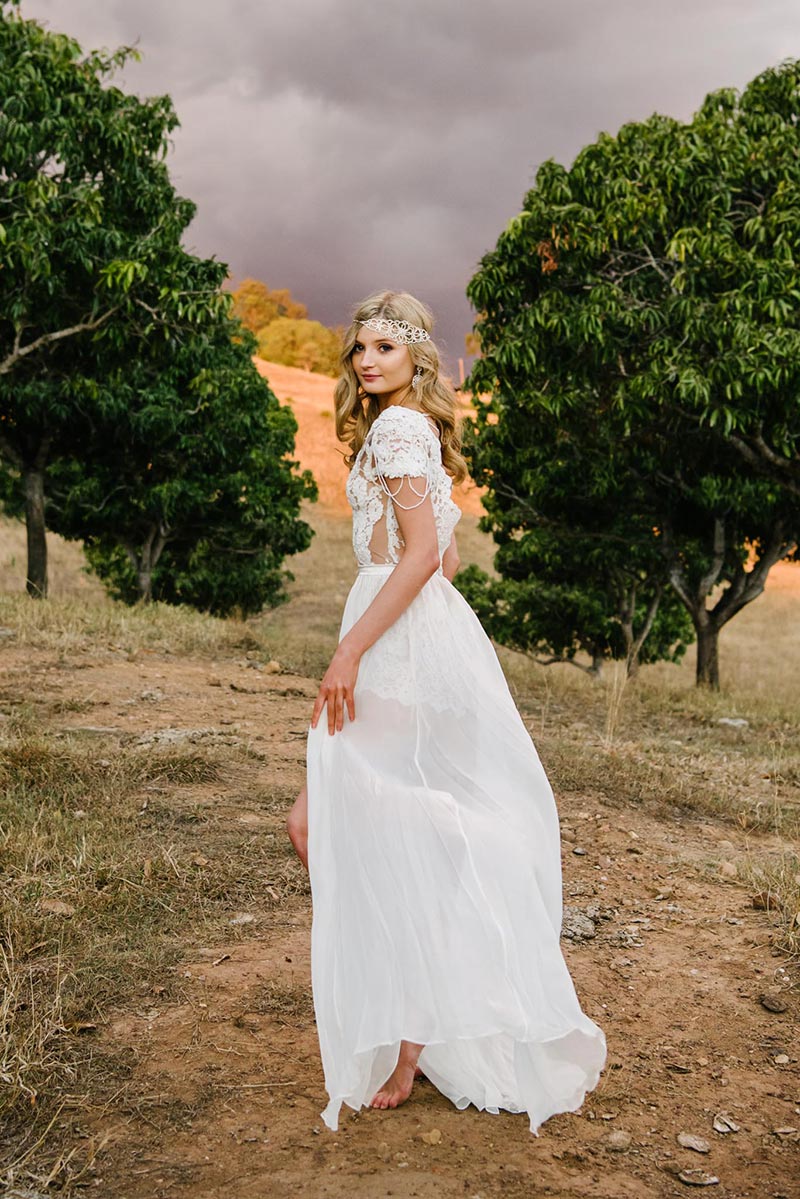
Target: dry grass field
(157,1033)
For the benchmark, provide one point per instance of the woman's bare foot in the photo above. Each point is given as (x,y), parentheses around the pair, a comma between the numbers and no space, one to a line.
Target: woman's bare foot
(398,1085)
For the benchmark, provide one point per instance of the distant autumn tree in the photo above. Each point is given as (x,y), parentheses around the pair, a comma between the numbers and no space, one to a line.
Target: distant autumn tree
(472,343)
(256,305)
(306,344)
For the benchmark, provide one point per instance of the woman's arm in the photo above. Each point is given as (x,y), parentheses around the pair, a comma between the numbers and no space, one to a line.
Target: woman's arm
(451,560)
(419,561)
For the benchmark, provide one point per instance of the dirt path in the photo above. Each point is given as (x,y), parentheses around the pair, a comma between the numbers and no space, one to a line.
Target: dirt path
(224,1085)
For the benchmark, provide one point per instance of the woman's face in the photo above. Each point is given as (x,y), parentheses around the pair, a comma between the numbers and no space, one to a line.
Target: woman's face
(382,367)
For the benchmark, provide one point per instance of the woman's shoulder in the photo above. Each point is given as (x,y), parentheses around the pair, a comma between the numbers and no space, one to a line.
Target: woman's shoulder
(398,414)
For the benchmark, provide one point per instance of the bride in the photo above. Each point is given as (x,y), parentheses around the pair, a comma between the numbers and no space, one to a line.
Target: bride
(427,823)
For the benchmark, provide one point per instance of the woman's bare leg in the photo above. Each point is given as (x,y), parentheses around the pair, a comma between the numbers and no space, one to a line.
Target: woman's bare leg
(297,825)
(397,1087)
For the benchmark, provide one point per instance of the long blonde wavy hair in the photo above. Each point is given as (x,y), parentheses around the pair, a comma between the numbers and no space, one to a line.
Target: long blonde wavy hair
(356,409)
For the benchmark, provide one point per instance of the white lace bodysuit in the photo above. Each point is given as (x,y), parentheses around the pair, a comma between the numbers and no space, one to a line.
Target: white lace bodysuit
(401,442)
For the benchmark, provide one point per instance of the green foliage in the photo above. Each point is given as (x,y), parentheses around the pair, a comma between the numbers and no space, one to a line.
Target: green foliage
(303,343)
(639,332)
(196,499)
(579,569)
(122,379)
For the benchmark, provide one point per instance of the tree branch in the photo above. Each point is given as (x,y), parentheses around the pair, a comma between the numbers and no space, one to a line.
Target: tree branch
(7,450)
(650,615)
(708,580)
(19,351)
(749,584)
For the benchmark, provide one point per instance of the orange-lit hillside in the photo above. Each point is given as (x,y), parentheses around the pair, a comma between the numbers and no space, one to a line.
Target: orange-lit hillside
(311,399)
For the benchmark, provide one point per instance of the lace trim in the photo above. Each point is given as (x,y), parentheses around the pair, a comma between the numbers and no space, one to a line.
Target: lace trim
(398,447)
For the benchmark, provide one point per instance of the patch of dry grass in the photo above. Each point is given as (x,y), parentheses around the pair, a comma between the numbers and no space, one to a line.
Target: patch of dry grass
(100,881)
(285,1003)
(75,625)
(775,879)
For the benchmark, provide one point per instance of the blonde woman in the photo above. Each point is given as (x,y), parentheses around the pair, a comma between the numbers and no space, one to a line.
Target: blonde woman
(427,822)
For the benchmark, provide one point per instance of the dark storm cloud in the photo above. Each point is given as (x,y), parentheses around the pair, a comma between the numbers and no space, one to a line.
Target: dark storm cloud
(337,147)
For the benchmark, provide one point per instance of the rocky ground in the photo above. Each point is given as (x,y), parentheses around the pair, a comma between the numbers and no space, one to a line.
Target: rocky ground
(219,1086)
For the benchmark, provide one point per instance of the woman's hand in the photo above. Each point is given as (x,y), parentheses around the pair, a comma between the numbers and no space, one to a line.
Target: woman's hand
(337,689)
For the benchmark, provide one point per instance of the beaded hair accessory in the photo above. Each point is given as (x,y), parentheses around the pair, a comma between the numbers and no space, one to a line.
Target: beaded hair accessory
(402,332)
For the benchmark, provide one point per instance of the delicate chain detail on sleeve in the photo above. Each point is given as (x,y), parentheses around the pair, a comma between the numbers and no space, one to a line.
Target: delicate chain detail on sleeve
(423,495)
(401,444)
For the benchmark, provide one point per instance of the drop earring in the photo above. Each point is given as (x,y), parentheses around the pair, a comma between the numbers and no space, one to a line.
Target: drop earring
(417,377)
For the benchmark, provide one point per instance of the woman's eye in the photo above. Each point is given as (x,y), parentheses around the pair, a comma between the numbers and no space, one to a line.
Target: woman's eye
(387,346)
(357,348)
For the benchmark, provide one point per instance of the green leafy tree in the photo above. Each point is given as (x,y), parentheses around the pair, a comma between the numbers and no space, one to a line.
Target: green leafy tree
(196,499)
(579,570)
(90,230)
(636,302)
(306,344)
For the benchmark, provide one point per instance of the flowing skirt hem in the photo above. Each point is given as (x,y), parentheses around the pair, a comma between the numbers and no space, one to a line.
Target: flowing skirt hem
(539,1110)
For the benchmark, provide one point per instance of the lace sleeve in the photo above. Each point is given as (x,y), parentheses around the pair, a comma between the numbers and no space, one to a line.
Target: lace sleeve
(402,453)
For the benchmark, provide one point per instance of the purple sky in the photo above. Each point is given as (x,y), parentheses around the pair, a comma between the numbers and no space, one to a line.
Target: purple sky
(337,148)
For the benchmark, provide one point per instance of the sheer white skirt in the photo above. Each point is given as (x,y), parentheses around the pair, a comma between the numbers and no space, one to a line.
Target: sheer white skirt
(435,871)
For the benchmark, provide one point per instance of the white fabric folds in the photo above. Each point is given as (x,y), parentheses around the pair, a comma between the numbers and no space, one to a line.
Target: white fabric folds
(435,870)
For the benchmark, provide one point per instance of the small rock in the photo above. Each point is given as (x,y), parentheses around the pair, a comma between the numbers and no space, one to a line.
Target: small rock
(632,849)
(765,901)
(689,1141)
(789,1131)
(214,681)
(273,667)
(734,722)
(773,1001)
(727,870)
(57,907)
(619,1140)
(575,926)
(434,1137)
(723,1123)
(781,1059)
(698,1178)
(580,852)
(242,918)
(153,694)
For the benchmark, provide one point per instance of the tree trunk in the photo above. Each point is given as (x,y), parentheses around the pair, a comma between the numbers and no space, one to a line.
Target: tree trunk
(144,581)
(146,559)
(36,582)
(707,655)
